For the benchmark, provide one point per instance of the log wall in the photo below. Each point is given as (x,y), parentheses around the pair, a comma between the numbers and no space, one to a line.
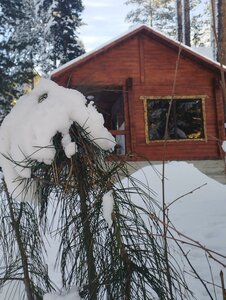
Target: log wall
(151,65)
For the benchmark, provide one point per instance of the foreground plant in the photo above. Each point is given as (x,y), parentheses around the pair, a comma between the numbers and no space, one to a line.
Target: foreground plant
(111,245)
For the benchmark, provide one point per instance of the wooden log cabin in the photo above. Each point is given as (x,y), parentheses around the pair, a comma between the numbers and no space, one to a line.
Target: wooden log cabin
(136,80)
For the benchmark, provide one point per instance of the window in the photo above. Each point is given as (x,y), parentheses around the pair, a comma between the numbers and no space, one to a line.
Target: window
(186,119)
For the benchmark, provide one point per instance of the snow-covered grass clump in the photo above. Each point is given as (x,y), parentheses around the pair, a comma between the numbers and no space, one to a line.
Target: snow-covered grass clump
(26,134)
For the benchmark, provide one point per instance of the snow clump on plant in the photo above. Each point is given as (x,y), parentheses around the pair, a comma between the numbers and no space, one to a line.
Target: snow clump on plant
(26,134)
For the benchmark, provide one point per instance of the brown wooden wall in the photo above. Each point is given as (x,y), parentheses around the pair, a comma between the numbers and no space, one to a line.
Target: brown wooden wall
(151,65)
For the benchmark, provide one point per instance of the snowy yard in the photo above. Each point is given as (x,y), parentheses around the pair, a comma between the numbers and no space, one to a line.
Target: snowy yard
(200,215)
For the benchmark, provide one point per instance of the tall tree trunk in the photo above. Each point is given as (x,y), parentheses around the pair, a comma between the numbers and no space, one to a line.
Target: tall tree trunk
(222,31)
(179,21)
(187,25)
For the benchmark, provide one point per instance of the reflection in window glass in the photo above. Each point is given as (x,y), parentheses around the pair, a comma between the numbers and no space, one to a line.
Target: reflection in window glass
(185,121)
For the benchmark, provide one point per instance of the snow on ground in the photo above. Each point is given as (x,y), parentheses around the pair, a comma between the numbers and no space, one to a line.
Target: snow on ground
(26,134)
(201,215)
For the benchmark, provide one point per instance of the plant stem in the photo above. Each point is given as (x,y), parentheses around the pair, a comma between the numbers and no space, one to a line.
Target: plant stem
(87,236)
(164,206)
(16,227)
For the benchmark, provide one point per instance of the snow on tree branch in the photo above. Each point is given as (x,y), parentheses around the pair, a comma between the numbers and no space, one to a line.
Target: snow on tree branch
(26,134)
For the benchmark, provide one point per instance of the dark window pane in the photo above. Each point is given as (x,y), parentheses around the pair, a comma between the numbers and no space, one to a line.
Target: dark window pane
(190,118)
(185,121)
(157,112)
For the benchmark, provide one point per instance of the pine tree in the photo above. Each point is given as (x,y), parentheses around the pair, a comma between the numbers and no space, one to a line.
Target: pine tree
(35,34)
(22,250)
(16,41)
(159,14)
(7,91)
(63,18)
(171,17)
(201,24)
(123,261)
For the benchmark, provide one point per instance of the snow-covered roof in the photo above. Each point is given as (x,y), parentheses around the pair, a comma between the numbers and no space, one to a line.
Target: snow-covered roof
(135,30)
(205,51)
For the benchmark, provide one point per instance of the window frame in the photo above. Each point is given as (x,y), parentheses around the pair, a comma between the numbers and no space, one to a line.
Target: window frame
(169,98)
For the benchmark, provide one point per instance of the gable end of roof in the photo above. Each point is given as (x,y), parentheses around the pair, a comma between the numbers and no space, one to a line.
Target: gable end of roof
(173,44)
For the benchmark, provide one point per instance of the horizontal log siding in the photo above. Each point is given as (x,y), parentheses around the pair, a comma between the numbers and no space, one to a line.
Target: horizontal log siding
(192,79)
(154,76)
(111,68)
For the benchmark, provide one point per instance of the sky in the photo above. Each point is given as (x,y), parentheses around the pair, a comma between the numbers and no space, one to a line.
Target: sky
(105,20)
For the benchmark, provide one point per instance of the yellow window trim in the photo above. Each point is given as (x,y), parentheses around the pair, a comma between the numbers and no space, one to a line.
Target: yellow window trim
(146,98)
